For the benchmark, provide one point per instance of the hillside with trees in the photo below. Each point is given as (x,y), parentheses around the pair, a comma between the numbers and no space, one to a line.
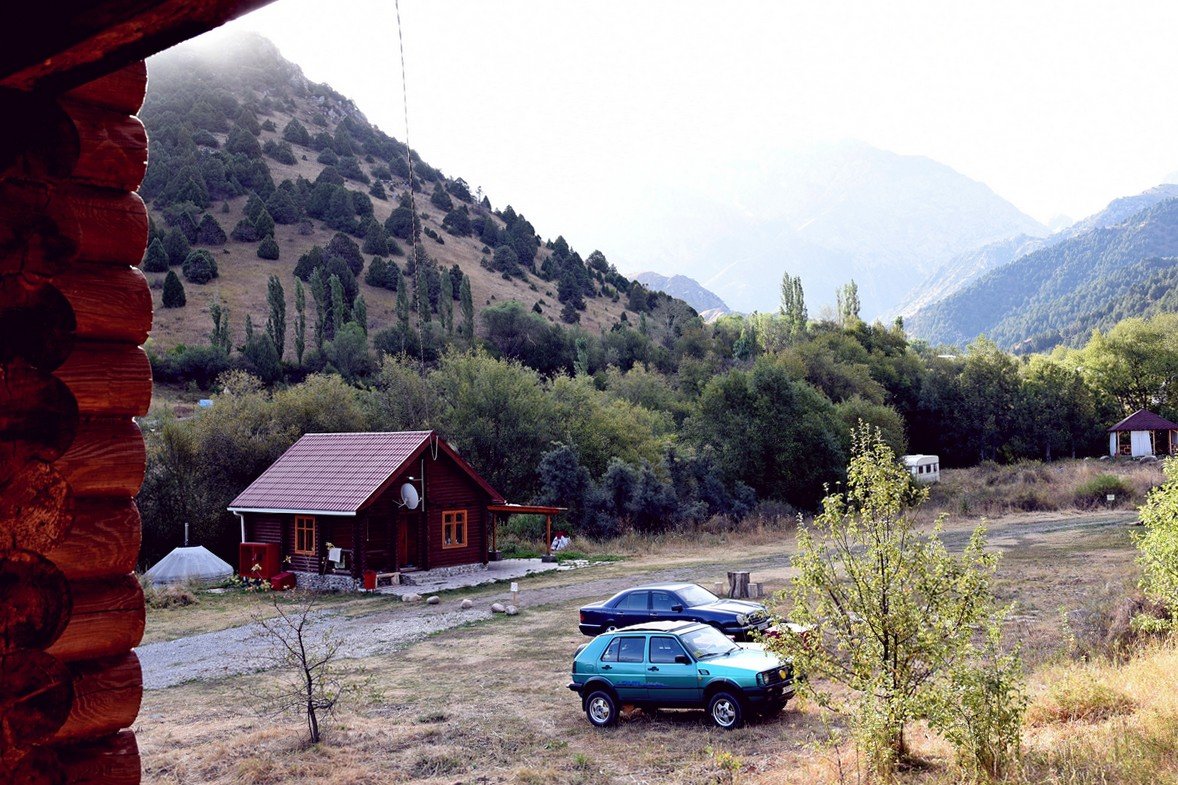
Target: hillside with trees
(1060,293)
(289,235)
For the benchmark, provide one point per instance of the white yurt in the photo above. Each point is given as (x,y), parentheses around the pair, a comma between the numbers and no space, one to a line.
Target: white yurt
(196,564)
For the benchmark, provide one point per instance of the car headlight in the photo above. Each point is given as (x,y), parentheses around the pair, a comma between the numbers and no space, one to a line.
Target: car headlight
(742,619)
(760,679)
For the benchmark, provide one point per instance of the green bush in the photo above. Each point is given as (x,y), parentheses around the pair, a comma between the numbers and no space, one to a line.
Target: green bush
(1096,491)
(268,249)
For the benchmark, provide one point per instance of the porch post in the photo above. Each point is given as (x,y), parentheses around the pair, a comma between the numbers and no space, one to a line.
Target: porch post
(548,536)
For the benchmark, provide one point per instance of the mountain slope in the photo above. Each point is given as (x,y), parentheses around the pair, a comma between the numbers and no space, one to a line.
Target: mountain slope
(965,268)
(242,129)
(1064,289)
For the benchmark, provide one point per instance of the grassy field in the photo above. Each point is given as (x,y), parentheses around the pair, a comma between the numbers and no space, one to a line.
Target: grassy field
(487,703)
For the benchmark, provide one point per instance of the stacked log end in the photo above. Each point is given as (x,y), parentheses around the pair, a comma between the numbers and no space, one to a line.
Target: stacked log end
(74,310)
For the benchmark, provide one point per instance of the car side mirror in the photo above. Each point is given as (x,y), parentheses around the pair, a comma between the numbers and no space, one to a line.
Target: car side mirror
(676,609)
(682,659)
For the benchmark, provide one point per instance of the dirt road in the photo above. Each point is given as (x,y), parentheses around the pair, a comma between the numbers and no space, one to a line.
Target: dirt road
(392,626)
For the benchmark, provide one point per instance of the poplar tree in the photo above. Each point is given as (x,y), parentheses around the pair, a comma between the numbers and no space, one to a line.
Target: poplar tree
(276,324)
(403,304)
(446,304)
(360,313)
(793,305)
(421,292)
(219,337)
(466,301)
(847,299)
(319,293)
(300,321)
(339,308)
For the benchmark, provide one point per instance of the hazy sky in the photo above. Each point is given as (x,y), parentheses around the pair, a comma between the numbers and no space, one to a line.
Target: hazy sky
(554,106)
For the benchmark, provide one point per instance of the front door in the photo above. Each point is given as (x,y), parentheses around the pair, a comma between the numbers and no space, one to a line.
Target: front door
(669,682)
(406,541)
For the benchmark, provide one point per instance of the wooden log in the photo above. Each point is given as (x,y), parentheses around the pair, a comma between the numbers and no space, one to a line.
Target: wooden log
(107,458)
(45,226)
(106,697)
(122,90)
(108,304)
(107,619)
(38,417)
(34,601)
(42,144)
(36,509)
(37,323)
(31,766)
(110,761)
(103,541)
(112,147)
(108,379)
(36,692)
(738,585)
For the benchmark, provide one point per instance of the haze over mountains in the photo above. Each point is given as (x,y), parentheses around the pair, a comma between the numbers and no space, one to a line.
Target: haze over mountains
(828,213)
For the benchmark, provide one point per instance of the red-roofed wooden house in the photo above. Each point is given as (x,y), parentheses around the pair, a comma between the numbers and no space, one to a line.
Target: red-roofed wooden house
(1143,433)
(333,505)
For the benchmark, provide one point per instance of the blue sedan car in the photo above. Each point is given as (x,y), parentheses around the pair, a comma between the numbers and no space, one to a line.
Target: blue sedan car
(675,602)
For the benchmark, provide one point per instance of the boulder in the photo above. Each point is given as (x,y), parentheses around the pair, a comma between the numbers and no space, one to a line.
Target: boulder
(434,599)
(411,597)
(467,604)
(498,607)
(511,610)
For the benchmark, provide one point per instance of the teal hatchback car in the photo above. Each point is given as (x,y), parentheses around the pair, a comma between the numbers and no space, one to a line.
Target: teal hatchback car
(679,665)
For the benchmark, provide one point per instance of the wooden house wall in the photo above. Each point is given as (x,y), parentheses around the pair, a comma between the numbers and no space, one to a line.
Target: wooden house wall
(279,528)
(450,488)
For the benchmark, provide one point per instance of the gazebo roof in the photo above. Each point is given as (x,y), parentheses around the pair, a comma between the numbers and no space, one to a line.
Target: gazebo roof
(1142,420)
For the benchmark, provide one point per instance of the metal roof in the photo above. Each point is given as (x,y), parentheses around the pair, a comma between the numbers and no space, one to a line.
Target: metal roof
(337,473)
(1142,420)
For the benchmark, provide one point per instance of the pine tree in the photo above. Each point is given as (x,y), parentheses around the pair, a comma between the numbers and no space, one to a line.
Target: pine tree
(374,240)
(156,258)
(173,290)
(421,292)
(276,323)
(268,249)
(467,304)
(264,223)
(209,232)
(300,321)
(176,245)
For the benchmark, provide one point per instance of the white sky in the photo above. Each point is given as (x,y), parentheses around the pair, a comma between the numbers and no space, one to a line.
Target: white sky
(555,106)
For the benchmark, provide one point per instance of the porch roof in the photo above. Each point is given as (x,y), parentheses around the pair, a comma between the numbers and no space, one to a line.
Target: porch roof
(1143,420)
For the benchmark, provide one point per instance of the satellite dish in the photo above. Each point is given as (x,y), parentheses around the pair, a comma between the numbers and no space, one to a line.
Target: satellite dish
(409,496)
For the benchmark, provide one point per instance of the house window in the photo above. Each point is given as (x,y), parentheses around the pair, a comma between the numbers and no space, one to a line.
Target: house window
(304,535)
(454,529)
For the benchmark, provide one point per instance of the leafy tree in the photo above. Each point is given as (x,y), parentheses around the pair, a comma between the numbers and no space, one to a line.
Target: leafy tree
(219,338)
(891,611)
(176,246)
(276,322)
(1157,547)
(777,435)
(173,291)
(156,258)
(847,299)
(261,357)
(989,385)
(268,249)
(496,413)
(199,267)
(348,352)
(855,412)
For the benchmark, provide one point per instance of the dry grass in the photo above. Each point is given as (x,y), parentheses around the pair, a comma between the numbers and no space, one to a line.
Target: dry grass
(991,490)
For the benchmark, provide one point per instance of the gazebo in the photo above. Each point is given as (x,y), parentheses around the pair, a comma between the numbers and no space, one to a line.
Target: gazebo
(1142,433)
(504,510)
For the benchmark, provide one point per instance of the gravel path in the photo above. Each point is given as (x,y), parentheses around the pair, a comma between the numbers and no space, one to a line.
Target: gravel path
(215,655)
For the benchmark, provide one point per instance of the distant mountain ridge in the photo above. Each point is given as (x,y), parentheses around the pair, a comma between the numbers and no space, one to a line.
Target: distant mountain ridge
(829,213)
(964,269)
(1058,293)
(686,289)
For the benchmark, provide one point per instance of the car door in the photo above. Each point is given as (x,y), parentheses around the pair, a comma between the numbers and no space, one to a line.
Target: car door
(661,605)
(634,608)
(668,681)
(623,663)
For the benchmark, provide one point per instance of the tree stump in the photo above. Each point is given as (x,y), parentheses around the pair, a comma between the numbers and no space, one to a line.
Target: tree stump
(73,312)
(738,585)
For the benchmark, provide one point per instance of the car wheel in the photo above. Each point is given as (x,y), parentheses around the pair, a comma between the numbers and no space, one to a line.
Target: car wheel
(601,709)
(726,711)
(610,627)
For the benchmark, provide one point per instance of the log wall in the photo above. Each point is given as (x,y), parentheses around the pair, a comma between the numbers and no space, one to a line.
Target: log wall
(73,312)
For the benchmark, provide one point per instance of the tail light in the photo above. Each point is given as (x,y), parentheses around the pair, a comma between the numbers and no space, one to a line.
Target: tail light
(581,616)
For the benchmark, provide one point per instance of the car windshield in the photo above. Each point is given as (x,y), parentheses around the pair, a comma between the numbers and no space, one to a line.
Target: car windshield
(697,595)
(707,642)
